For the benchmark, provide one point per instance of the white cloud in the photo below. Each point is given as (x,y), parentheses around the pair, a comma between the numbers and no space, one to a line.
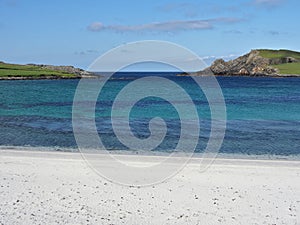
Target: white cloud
(96,26)
(233,32)
(273,32)
(90,51)
(164,26)
(210,59)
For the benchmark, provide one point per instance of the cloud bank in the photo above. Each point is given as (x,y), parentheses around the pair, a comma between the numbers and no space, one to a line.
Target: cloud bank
(169,26)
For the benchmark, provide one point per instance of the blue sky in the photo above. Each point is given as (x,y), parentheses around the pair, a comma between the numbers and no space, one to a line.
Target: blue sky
(77,32)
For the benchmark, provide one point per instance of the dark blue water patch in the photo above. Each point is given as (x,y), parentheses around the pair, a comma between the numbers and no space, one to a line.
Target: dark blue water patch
(51,104)
(140,129)
(257,82)
(134,75)
(4,106)
(246,137)
(36,131)
(262,137)
(38,122)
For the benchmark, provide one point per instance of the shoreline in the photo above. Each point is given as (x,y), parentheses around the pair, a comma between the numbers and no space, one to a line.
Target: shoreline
(256,76)
(196,155)
(50,78)
(38,78)
(177,75)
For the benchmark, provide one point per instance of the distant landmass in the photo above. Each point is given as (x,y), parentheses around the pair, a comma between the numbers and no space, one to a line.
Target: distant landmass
(34,71)
(258,62)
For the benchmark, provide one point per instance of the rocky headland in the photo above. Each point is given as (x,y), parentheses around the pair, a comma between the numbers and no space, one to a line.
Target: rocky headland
(280,63)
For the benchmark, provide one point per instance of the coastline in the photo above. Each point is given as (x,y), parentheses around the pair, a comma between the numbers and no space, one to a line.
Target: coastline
(38,78)
(50,78)
(196,155)
(178,75)
(251,76)
(59,187)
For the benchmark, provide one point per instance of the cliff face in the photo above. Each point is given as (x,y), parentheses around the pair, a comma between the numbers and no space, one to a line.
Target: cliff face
(251,64)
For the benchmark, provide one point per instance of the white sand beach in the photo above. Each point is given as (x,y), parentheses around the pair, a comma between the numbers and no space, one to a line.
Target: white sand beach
(60,188)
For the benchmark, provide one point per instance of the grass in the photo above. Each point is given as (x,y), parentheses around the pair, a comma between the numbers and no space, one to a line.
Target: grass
(14,70)
(286,68)
(272,54)
(289,68)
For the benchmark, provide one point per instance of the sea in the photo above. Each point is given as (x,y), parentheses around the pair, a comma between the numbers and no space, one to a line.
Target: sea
(263,114)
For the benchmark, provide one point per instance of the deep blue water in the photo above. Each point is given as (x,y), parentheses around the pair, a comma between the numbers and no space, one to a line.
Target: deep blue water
(263,114)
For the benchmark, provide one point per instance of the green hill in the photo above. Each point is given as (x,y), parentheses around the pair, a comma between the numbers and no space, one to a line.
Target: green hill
(284,68)
(282,53)
(32,71)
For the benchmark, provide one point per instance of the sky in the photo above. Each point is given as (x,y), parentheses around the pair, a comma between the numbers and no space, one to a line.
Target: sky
(77,32)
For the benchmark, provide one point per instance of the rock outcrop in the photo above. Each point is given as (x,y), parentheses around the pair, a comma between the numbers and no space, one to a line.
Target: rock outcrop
(67,69)
(251,64)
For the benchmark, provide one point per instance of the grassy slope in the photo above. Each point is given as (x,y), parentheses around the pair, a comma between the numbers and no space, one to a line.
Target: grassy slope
(287,68)
(271,54)
(14,70)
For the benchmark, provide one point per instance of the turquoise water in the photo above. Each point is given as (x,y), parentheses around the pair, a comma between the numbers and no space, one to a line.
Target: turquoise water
(263,114)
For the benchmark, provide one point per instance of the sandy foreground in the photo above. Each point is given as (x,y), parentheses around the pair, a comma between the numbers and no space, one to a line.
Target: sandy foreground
(61,188)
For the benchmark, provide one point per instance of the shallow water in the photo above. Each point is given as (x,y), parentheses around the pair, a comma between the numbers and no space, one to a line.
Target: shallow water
(263,114)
